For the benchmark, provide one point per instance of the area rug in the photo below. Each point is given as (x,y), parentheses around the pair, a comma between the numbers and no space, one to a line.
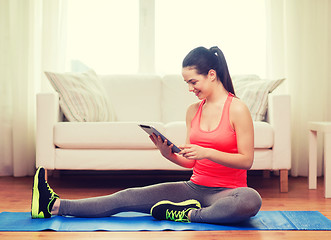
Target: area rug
(129,221)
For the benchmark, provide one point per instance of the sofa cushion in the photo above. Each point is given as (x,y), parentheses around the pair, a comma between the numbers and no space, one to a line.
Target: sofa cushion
(263,135)
(82,96)
(134,97)
(103,135)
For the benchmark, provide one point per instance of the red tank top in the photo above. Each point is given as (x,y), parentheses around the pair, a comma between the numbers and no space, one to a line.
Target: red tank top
(223,138)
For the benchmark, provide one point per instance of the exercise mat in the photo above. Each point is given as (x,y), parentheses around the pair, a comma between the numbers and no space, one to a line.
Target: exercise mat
(129,221)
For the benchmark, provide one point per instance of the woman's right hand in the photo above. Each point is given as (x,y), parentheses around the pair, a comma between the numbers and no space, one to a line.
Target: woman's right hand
(165,150)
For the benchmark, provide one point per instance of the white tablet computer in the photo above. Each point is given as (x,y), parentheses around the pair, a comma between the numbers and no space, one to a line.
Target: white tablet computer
(150,130)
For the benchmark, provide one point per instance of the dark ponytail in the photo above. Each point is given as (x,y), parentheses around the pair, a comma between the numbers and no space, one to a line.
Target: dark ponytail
(203,59)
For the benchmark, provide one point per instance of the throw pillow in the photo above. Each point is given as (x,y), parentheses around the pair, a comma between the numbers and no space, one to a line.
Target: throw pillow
(82,96)
(253,91)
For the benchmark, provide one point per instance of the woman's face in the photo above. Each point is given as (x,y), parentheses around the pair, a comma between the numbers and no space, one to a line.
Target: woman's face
(197,83)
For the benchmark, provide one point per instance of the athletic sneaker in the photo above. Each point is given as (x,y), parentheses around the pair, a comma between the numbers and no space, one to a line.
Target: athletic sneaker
(43,197)
(178,212)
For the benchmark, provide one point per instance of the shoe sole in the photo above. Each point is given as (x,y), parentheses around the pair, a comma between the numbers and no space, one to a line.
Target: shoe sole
(187,202)
(35,196)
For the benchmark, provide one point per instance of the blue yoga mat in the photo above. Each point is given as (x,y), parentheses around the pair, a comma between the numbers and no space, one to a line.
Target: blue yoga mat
(264,220)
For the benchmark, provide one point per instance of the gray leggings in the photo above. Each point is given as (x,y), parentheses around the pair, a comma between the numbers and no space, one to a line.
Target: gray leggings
(219,205)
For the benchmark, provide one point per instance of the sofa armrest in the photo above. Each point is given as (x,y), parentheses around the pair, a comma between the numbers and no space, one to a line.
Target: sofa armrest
(48,113)
(279,116)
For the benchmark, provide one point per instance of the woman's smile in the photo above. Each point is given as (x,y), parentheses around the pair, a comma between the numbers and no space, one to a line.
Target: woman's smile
(197,92)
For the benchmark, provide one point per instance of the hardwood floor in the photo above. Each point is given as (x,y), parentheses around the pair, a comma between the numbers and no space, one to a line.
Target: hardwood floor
(15,195)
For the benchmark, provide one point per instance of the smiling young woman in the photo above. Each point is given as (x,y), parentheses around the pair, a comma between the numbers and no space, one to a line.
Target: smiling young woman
(219,148)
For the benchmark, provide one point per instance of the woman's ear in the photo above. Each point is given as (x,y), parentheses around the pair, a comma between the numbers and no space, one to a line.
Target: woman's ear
(212,74)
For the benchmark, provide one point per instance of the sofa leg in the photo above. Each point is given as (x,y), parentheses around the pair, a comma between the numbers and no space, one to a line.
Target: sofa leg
(283,180)
(46,176)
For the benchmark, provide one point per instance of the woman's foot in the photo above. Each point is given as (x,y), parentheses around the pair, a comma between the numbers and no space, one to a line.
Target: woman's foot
(43,197)
(178,212)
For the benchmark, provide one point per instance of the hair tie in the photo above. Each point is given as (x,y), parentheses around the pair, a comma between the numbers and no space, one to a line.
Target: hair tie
(214,50)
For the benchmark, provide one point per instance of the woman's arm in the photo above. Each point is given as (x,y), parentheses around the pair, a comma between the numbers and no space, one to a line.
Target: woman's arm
(243,125)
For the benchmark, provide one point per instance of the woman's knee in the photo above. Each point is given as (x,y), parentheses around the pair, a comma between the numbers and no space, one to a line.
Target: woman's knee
(251,201)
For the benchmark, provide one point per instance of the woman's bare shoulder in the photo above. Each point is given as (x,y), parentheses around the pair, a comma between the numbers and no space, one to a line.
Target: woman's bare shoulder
(192,110)
(238,108)
(194,107)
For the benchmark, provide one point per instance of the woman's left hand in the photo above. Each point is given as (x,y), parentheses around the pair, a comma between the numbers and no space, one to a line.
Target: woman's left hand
(191,151)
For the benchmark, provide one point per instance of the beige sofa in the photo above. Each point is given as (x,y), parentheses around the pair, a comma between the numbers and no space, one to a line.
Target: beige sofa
(122,145)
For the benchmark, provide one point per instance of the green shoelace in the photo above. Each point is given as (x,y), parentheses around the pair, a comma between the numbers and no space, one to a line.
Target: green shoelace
(52,198)
(178,216)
